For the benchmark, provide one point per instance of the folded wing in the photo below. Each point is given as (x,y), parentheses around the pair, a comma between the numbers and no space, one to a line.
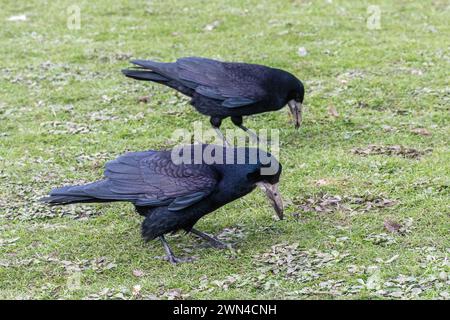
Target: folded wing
(236,84)
(152,179)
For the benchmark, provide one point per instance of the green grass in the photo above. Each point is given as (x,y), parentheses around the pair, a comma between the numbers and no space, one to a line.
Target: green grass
(383,83)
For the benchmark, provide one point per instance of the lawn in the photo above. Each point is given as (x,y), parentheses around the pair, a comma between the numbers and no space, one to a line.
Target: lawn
(365,179)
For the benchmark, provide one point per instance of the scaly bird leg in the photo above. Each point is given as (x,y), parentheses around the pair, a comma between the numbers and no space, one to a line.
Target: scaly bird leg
(221,136)
(239,122)
(252,135)
(170,256)
(216,122)
(214,242)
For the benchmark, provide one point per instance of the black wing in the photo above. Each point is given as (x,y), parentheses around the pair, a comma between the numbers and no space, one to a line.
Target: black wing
(152,179)
(237,84)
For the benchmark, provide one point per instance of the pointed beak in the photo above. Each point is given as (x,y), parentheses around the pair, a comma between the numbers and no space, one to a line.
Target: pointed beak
(271,191)
(296,110)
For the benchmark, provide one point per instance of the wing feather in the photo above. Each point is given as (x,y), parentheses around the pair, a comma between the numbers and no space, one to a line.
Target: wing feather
(152,179)
(237,84)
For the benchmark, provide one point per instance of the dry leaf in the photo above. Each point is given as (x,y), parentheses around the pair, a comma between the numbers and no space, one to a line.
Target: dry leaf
(21,17)
(421,131)
(394,150)
(302,51)
(144,99)
(333,112)
(211,26)
(138,273)
(392,226)
(322,182)
(136,290)
(392,259)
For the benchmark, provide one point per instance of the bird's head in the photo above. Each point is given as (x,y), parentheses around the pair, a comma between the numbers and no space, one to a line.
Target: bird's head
(265,173)
(241,170)
(296,93)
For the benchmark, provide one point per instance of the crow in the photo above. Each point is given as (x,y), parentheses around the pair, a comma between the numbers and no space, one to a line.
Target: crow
(174,188)
(226,89)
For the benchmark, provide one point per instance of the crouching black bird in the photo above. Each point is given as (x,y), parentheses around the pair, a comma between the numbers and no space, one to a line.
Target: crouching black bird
(226,89)
(174,189)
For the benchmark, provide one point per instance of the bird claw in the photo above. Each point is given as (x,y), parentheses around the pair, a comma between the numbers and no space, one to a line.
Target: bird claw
(213,241)
(174,260)
(217,244)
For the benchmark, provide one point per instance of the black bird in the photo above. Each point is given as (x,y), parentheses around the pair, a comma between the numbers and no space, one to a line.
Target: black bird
(226,89)
(173,189)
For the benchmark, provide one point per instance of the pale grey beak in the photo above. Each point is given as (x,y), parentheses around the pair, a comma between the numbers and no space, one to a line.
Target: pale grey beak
(296,110)
(271,191)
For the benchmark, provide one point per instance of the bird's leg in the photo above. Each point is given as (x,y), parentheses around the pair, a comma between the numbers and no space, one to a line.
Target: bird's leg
(170,256)
(220,134)
(238,121)
(253,135)
(216,122)
(214,242)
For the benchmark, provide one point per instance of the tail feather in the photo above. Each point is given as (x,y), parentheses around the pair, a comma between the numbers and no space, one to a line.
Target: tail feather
(144,75)
(168,70)
(61,200)
(77,194)
(152,70)
(160,72)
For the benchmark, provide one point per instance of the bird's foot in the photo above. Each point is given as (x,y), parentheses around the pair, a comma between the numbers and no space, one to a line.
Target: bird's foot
(217,244)
(174,260)
(253,136)
(169,254)
(213,241)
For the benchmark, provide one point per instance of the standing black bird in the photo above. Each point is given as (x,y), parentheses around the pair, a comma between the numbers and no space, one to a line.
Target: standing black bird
(226,89)
(174,189)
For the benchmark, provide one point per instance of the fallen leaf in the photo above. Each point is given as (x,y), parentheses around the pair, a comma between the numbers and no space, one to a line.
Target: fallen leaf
(392,226)
(8,241)
(174,294)
(21,17)
(138,273)
(122,56)
(445,295)
(362,104)
(144,99)
(387,128)
(302,51)
(394,150)
(333,112)
(322,182)
(392,259)
(136,290)
(374,281)
(421,131)
(211,26)
(110,266)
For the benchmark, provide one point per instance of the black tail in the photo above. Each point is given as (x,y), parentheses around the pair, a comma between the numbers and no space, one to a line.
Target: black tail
(152,71)
(160,72)
(75,194)
(146,75)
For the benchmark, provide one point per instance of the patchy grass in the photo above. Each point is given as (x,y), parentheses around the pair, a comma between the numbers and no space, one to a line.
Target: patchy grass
(365,179)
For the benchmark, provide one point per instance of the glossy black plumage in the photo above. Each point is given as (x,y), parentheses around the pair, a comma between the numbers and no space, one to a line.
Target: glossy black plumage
(174,196)
(224,89)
